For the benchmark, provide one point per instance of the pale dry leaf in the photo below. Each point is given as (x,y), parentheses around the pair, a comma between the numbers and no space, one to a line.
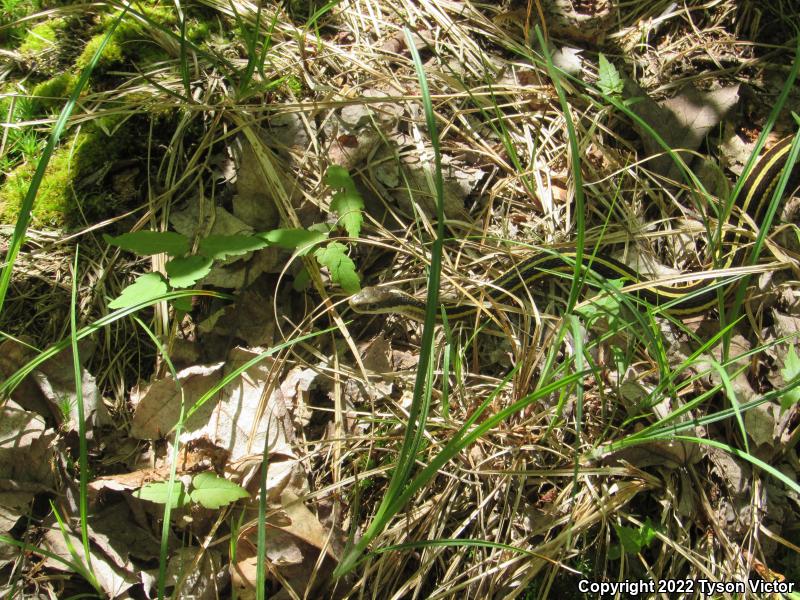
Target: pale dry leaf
(376,354)
(234,422)
(682,121)
(26,451)
(734,151)
(8,554)
(12,509)
(354,115)
(761,423)
(735,473)
(663,453)
(126,482)
(159,407)
(251,204)
(27,394)
(113,579)
(698,112)
(295,388)
(56,380)
(235,270)
(187,221)
(131,541)
(304,524)
(412,181)
(295,539)
(569,60)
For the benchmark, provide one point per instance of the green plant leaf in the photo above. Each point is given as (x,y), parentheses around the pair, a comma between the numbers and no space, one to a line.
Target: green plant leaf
(608,79)
(633,540)
(341,267)
(146,243)
(338,177)
(159,491)
(221,246)
(347,202)
(301,280)
(301,240)
(605,304)
(146,287)
(789,372)
(183,304)
(349,206)
(212,491)
(187,270)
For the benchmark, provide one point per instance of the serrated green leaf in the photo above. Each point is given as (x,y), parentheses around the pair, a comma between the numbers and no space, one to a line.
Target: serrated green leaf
(790,371)
(219,247)
(338,177)
(349,206)
(146,287)
(608,78)
(159,491)
(340,266)
(212,491)
(301,240)
(347,203)
(634,540)
(183,304)
(647,532)
(146,243)
(629,539)
(187,270)
(323,228)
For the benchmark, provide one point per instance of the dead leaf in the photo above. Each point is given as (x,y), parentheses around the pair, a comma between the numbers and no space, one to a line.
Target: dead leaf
(234,422)
(113,578)
(761,423)
(682,121)
(26,451)
(56,380)
(159,406)
(413,175)
(294,542)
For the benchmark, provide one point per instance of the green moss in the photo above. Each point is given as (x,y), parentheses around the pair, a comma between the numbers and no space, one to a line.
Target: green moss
(53,201)
(10,12)
(61,201)
(198,31)
(131,40)
(41,37)
(294,84)
(51,94)
(111,55)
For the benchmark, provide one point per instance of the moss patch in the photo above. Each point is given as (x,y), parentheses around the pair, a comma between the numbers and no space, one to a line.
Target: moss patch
(130,41)
(61,200)
(40,38)
(51,94)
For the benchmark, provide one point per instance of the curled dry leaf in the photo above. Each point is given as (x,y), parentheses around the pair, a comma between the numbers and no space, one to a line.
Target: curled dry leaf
(114,574)
(294,542)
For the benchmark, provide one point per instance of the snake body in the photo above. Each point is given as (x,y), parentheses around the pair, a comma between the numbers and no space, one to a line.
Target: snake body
(694,297)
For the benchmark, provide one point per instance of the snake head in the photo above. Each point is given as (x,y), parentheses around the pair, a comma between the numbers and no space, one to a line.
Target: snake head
(381,300)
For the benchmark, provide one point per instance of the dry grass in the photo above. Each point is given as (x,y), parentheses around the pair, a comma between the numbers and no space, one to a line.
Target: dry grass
(534,482)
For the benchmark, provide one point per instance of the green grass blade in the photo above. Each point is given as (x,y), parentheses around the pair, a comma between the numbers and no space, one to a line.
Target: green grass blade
(420,403)
(83,451)
(575,162)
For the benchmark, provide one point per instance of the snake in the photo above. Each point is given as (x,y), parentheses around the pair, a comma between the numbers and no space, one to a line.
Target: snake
(681,299)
